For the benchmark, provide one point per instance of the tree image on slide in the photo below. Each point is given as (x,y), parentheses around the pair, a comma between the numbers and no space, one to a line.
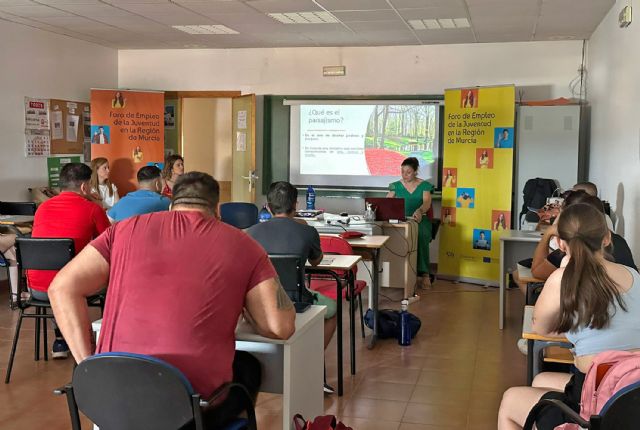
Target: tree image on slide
(395,132)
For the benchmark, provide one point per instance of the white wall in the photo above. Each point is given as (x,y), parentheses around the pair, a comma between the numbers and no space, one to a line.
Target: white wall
(37,63)
(613,92)
(543,68)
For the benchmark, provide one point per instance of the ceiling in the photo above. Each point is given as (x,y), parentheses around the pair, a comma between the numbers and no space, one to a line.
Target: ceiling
(147,24)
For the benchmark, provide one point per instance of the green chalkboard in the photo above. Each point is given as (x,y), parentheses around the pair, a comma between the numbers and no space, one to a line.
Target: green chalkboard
(275,165)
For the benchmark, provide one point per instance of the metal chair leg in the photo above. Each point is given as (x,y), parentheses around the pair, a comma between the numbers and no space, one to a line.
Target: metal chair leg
(13,348)
(361,315)
(36,351)
(45,344)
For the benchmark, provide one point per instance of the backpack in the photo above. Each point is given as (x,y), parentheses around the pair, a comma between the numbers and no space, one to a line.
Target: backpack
(610,372)
(535,194)
(323,422)
(389,323)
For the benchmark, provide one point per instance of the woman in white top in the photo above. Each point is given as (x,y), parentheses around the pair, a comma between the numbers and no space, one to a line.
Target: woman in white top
(101,186)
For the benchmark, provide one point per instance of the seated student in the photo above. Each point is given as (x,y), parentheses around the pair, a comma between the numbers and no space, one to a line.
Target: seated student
(591,189)
(285,235)
(145,200)
(176,291)
(71,214)
(595,303)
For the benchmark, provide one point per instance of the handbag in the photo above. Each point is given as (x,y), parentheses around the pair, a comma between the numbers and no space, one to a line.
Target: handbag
(323,422)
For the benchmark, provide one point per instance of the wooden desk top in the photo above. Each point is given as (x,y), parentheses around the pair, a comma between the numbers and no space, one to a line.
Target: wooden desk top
(520,236)
(376,241)
(16,219)
(527,330)
(245,333)
(336,262)
(524,274)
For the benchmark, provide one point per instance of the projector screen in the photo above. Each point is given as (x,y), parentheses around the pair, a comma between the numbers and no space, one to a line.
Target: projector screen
(361,143)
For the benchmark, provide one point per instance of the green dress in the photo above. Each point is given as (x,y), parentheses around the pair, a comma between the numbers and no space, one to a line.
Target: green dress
(413,201)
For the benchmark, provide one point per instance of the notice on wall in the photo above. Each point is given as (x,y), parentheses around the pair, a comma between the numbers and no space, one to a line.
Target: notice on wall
(36,114)
(57,131)
(241,141)
(37,143)
(242,120)
(72,127)
(127,128)
(54,165)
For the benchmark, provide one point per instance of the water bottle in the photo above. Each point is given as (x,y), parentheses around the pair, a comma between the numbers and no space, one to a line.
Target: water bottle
(264,214)
(311,198)
(405,330)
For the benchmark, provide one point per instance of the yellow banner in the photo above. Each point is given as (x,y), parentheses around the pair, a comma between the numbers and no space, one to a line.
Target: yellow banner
(476,181)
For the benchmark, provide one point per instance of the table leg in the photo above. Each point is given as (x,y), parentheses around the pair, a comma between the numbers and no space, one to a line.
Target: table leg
(375,289)
(503,276)
(352,326)
(339,330)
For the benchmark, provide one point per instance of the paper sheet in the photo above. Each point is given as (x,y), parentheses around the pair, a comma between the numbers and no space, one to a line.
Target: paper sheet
(242,120)
(56,125)
(37,145)
(72,128)
(241,141)
(36,114)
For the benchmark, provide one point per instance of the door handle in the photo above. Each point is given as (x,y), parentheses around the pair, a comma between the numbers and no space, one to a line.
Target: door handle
(252,179)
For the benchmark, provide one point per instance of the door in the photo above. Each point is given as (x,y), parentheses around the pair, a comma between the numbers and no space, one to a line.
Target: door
(243,184)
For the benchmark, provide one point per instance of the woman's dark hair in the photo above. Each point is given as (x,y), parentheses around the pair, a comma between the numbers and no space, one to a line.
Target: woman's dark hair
(168,165)
(581,196)
(411,162)
(587,292)
(282,198)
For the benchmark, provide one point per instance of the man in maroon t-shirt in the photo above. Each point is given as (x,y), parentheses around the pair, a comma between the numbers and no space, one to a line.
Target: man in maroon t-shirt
(68,215)
(178,282)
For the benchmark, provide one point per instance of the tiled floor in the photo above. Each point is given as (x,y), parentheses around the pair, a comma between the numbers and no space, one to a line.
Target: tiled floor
(451,377)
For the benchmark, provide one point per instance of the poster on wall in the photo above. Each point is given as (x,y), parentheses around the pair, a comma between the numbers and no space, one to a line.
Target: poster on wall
(477,180)
(54,165)
(36,114)
(127,128)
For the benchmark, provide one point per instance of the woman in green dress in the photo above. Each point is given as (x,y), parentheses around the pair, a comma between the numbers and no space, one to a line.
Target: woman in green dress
(417,201)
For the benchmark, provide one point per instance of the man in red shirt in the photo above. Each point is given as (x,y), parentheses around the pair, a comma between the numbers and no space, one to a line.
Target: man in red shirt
(178,282)
(68,215)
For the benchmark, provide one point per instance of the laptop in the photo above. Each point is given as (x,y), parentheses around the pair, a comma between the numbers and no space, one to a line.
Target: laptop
(387,208)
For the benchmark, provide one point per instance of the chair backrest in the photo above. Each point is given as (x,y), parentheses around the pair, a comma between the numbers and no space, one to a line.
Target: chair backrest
(238,214)
(290,269)
(17,208)
(43,253)
(622,411)
(120,391)
(336,245)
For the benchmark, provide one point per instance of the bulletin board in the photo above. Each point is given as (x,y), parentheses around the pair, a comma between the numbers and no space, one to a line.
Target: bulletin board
(70,126)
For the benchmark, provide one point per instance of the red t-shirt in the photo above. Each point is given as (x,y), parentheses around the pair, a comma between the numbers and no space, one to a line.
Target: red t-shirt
(177,286)
(67,215)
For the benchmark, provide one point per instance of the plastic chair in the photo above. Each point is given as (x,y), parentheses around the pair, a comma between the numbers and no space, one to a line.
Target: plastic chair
(290,269)
(40,254)
(338,246)
(17,208)
(121,391)
(238,214)
(621,412)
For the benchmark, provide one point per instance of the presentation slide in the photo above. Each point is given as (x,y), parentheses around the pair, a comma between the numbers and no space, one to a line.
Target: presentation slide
(365,142)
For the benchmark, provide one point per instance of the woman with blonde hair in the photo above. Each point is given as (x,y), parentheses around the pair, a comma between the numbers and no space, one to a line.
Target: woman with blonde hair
(173,168)
(101,187)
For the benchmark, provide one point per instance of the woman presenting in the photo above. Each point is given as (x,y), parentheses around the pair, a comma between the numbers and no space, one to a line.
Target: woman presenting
(417,201)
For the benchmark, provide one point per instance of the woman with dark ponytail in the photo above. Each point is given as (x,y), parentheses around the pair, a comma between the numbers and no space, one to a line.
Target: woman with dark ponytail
(594,302)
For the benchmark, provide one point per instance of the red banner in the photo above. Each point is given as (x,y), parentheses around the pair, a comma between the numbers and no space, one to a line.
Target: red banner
(127,128)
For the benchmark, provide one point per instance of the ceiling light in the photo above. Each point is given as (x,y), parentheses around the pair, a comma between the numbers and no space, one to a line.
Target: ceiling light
(432,24)
(446,23)
(417,24)
(205,29)
(461,22)
(304,17)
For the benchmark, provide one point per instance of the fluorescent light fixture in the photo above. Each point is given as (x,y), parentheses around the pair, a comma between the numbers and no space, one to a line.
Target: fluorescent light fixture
(304,17)
(461,22)
(417,24)
(205,29)
(432,24)
(446,23)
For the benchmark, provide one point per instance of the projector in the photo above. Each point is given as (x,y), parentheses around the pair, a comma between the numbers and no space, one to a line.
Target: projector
(336,219)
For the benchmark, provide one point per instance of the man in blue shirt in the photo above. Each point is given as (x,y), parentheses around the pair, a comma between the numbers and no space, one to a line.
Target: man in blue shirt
(146,200)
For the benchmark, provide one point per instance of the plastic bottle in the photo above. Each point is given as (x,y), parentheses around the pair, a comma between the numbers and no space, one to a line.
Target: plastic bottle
(264,214)
(311,198)
(405,330)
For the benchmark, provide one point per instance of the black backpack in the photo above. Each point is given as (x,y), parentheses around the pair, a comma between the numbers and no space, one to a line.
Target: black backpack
(536,192)
(389,323)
